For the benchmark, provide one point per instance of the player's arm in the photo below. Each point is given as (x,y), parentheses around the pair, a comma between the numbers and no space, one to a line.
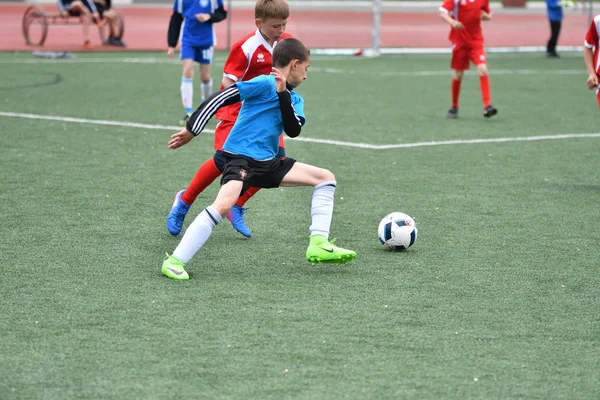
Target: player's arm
(445,16)
(226,81)
(210,106)
(486,16)
(591,39)
(203,114)
(588,58)
(218,15)
(92,7)
(174,29)
(292,124)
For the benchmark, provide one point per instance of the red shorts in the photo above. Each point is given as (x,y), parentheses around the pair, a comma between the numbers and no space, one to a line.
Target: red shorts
(462,54)
(222,131)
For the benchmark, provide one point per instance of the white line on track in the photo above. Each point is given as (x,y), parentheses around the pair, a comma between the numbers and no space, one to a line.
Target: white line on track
(370,72)
(312,140)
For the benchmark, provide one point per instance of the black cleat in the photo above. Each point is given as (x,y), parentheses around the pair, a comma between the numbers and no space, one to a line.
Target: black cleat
(489,111)
(453,112)
(552,54)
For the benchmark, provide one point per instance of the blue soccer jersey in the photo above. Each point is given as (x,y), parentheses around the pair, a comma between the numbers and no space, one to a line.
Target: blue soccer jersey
(259,124)
(196,33)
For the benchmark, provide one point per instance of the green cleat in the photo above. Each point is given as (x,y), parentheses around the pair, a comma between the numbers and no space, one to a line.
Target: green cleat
(174,269)
(183,121)
(322,251)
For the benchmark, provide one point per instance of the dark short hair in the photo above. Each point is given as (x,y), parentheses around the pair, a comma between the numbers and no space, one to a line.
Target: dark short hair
(287,50)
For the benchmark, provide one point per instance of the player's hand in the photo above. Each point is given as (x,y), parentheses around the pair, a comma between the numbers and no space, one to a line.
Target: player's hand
(180,138)
(280,80)
(202,17)
(457,25)
(170,52)
(592,81)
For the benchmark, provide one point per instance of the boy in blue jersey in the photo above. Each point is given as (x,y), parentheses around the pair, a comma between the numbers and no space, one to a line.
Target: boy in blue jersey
(197,41)
(270,105)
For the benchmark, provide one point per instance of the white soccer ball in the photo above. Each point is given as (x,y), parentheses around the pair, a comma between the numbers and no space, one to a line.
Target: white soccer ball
(397,231)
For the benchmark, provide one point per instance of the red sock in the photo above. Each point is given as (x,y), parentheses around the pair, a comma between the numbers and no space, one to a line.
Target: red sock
(246,196)
(206,175)
(484,83)
(455,92)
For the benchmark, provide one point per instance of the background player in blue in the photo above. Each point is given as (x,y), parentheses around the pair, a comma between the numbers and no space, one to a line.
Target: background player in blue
(197,41)
(270,105)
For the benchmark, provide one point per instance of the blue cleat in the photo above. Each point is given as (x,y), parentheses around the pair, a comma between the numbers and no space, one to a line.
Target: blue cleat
(177,214)
(236,217)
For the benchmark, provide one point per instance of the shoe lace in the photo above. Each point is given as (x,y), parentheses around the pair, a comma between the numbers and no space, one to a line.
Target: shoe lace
(331,242)
(243,210)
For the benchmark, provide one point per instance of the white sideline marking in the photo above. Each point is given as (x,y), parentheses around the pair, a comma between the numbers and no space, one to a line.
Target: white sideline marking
(313,140)
(94,121)
(313,69)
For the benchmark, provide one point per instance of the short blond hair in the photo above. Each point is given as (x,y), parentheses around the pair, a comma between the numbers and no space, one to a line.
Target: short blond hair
(271,9)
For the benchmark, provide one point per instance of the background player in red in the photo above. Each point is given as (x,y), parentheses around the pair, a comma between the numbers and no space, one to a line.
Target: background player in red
(590,56)
(249,57)
(464,16)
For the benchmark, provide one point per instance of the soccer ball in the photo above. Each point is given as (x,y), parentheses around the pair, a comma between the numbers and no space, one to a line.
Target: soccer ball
(397,231)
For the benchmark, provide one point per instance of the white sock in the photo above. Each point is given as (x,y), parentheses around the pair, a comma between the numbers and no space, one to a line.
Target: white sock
(197,234)
(187,94)
(322,208)
(206,89)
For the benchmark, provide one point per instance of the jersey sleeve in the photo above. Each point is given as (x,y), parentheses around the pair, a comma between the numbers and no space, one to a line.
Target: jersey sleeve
(447,6)
(256,87)
(486,7)
(298,104)
(178,6)
(591,38)
(236,64)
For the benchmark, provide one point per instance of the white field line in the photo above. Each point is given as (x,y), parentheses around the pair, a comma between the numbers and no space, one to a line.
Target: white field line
(313,69)
(312,140)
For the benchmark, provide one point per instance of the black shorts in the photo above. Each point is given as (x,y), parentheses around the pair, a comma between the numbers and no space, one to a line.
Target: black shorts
(73,13)
(263,174)
(220,158)
(101,9)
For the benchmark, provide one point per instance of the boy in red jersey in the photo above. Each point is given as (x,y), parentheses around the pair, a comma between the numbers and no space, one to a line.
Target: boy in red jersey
(465,16)
(249,57)
(590,56)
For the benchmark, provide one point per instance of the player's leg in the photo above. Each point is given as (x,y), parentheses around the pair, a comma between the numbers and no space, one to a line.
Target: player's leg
(112,18)
(551,45)
(236,215)
(206,82)
(478,58)
(320,249)
(187,82)
(78,9)
(200,230)
(211,169)
(459,63)
(206,174)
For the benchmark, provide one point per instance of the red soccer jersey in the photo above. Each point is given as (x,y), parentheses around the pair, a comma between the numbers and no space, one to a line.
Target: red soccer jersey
(592,41)
(467,12)
(250,57)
